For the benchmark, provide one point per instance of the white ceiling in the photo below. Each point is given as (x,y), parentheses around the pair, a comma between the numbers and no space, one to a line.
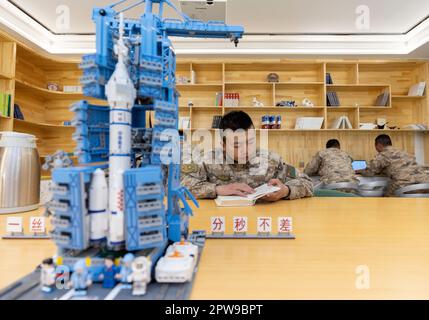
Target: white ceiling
(263,16)
(272,27)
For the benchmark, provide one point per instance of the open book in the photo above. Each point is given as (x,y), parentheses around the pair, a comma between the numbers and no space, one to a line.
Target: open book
(236,201)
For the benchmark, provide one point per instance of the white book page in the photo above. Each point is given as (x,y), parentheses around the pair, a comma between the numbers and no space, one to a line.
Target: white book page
(262,191)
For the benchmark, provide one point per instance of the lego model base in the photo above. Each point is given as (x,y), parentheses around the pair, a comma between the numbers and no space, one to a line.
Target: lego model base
(26,236)
(251,236)
(29,288)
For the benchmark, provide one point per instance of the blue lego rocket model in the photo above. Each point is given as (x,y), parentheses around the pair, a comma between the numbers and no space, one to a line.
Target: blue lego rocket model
(134,69)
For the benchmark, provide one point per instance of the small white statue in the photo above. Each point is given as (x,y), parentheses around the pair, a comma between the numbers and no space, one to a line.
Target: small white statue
(257,103)
(140,276)
(307,103)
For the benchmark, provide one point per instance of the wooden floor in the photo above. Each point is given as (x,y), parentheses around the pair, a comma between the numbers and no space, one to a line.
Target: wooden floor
(337,238)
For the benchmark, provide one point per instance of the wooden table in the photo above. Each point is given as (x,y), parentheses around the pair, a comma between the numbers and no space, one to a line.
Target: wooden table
(337,239)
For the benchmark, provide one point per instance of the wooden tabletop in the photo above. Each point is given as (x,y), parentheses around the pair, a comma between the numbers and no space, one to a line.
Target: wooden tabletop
(340,242)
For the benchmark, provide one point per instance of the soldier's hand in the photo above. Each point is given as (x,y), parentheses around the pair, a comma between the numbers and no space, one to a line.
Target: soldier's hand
(278,195)
(234,189)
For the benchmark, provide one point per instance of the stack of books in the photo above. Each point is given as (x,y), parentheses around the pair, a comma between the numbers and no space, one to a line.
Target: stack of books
(329,79)
(342,122)
(417,90)
(219,99)
(5,104)
(17,114)
(332,99)
(309,123)
(383,99)
(216,122)
(232,99)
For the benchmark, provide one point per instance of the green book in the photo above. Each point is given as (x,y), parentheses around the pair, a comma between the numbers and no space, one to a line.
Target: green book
(2,105)
(9,105)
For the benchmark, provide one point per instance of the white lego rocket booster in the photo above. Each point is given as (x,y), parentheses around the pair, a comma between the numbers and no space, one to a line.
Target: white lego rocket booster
(121,94)
(98,202)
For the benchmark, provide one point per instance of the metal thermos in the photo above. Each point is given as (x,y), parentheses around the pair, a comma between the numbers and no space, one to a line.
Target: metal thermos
(19,173)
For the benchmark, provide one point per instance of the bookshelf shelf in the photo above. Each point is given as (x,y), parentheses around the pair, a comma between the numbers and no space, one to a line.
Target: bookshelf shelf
(26,123)
(45,93)
(408,97)
(6,76)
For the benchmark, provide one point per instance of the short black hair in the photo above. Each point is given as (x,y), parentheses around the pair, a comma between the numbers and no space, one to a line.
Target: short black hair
(48,261)
(333,143)
(384,140)
(110,257)
(236,120)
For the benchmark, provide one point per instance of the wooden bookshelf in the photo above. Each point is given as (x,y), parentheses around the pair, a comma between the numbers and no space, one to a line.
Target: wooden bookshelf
(357,83)
(25,74)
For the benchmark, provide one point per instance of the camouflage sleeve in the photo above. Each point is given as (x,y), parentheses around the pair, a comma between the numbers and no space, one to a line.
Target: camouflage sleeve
(375,166)
(312,168)
(300,184)
(194,177)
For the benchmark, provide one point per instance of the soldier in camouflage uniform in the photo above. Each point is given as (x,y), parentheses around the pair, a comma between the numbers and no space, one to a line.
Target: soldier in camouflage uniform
(219,173)
(333,165)
(398,165)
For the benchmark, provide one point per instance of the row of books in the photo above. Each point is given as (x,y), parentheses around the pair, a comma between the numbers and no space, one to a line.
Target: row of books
(332,99)
(5,104)
(232,99)
(219,99)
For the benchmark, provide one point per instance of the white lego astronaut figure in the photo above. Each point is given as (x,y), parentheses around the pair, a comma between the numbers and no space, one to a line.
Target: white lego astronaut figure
(47,275)
(140,276)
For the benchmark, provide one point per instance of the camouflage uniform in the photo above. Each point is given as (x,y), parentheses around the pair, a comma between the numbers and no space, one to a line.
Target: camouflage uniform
(203,178)
(332,165)
(399,166)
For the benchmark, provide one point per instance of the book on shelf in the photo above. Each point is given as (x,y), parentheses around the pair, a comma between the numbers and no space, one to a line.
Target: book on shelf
(17,113)
(342,122)
(417,90)
(184,123)
(309,123)
(416,127)
(219,99)
(367,126)
(383,99)
(216,122)
(249,200)
(5,104)
(332,99)
(232,100)
(329,79)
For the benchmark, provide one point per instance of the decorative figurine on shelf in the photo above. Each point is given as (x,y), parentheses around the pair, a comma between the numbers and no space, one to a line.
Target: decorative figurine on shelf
(381,123)
(284,103)
(80,280)
(140,276)
(109,272)
(125,271)
(273,77)
(53,86)
(307,103)
(48,275)
(59,159)
(257,103)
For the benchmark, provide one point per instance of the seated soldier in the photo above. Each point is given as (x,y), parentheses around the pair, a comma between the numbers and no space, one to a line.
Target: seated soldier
(333,165)
(398,165)
(236,172)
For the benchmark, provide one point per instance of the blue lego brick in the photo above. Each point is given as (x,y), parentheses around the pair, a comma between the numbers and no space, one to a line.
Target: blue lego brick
(98,75)
(144,208)
(166,119)
(95,90)
(199,29)
(70,218)
(92,132)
